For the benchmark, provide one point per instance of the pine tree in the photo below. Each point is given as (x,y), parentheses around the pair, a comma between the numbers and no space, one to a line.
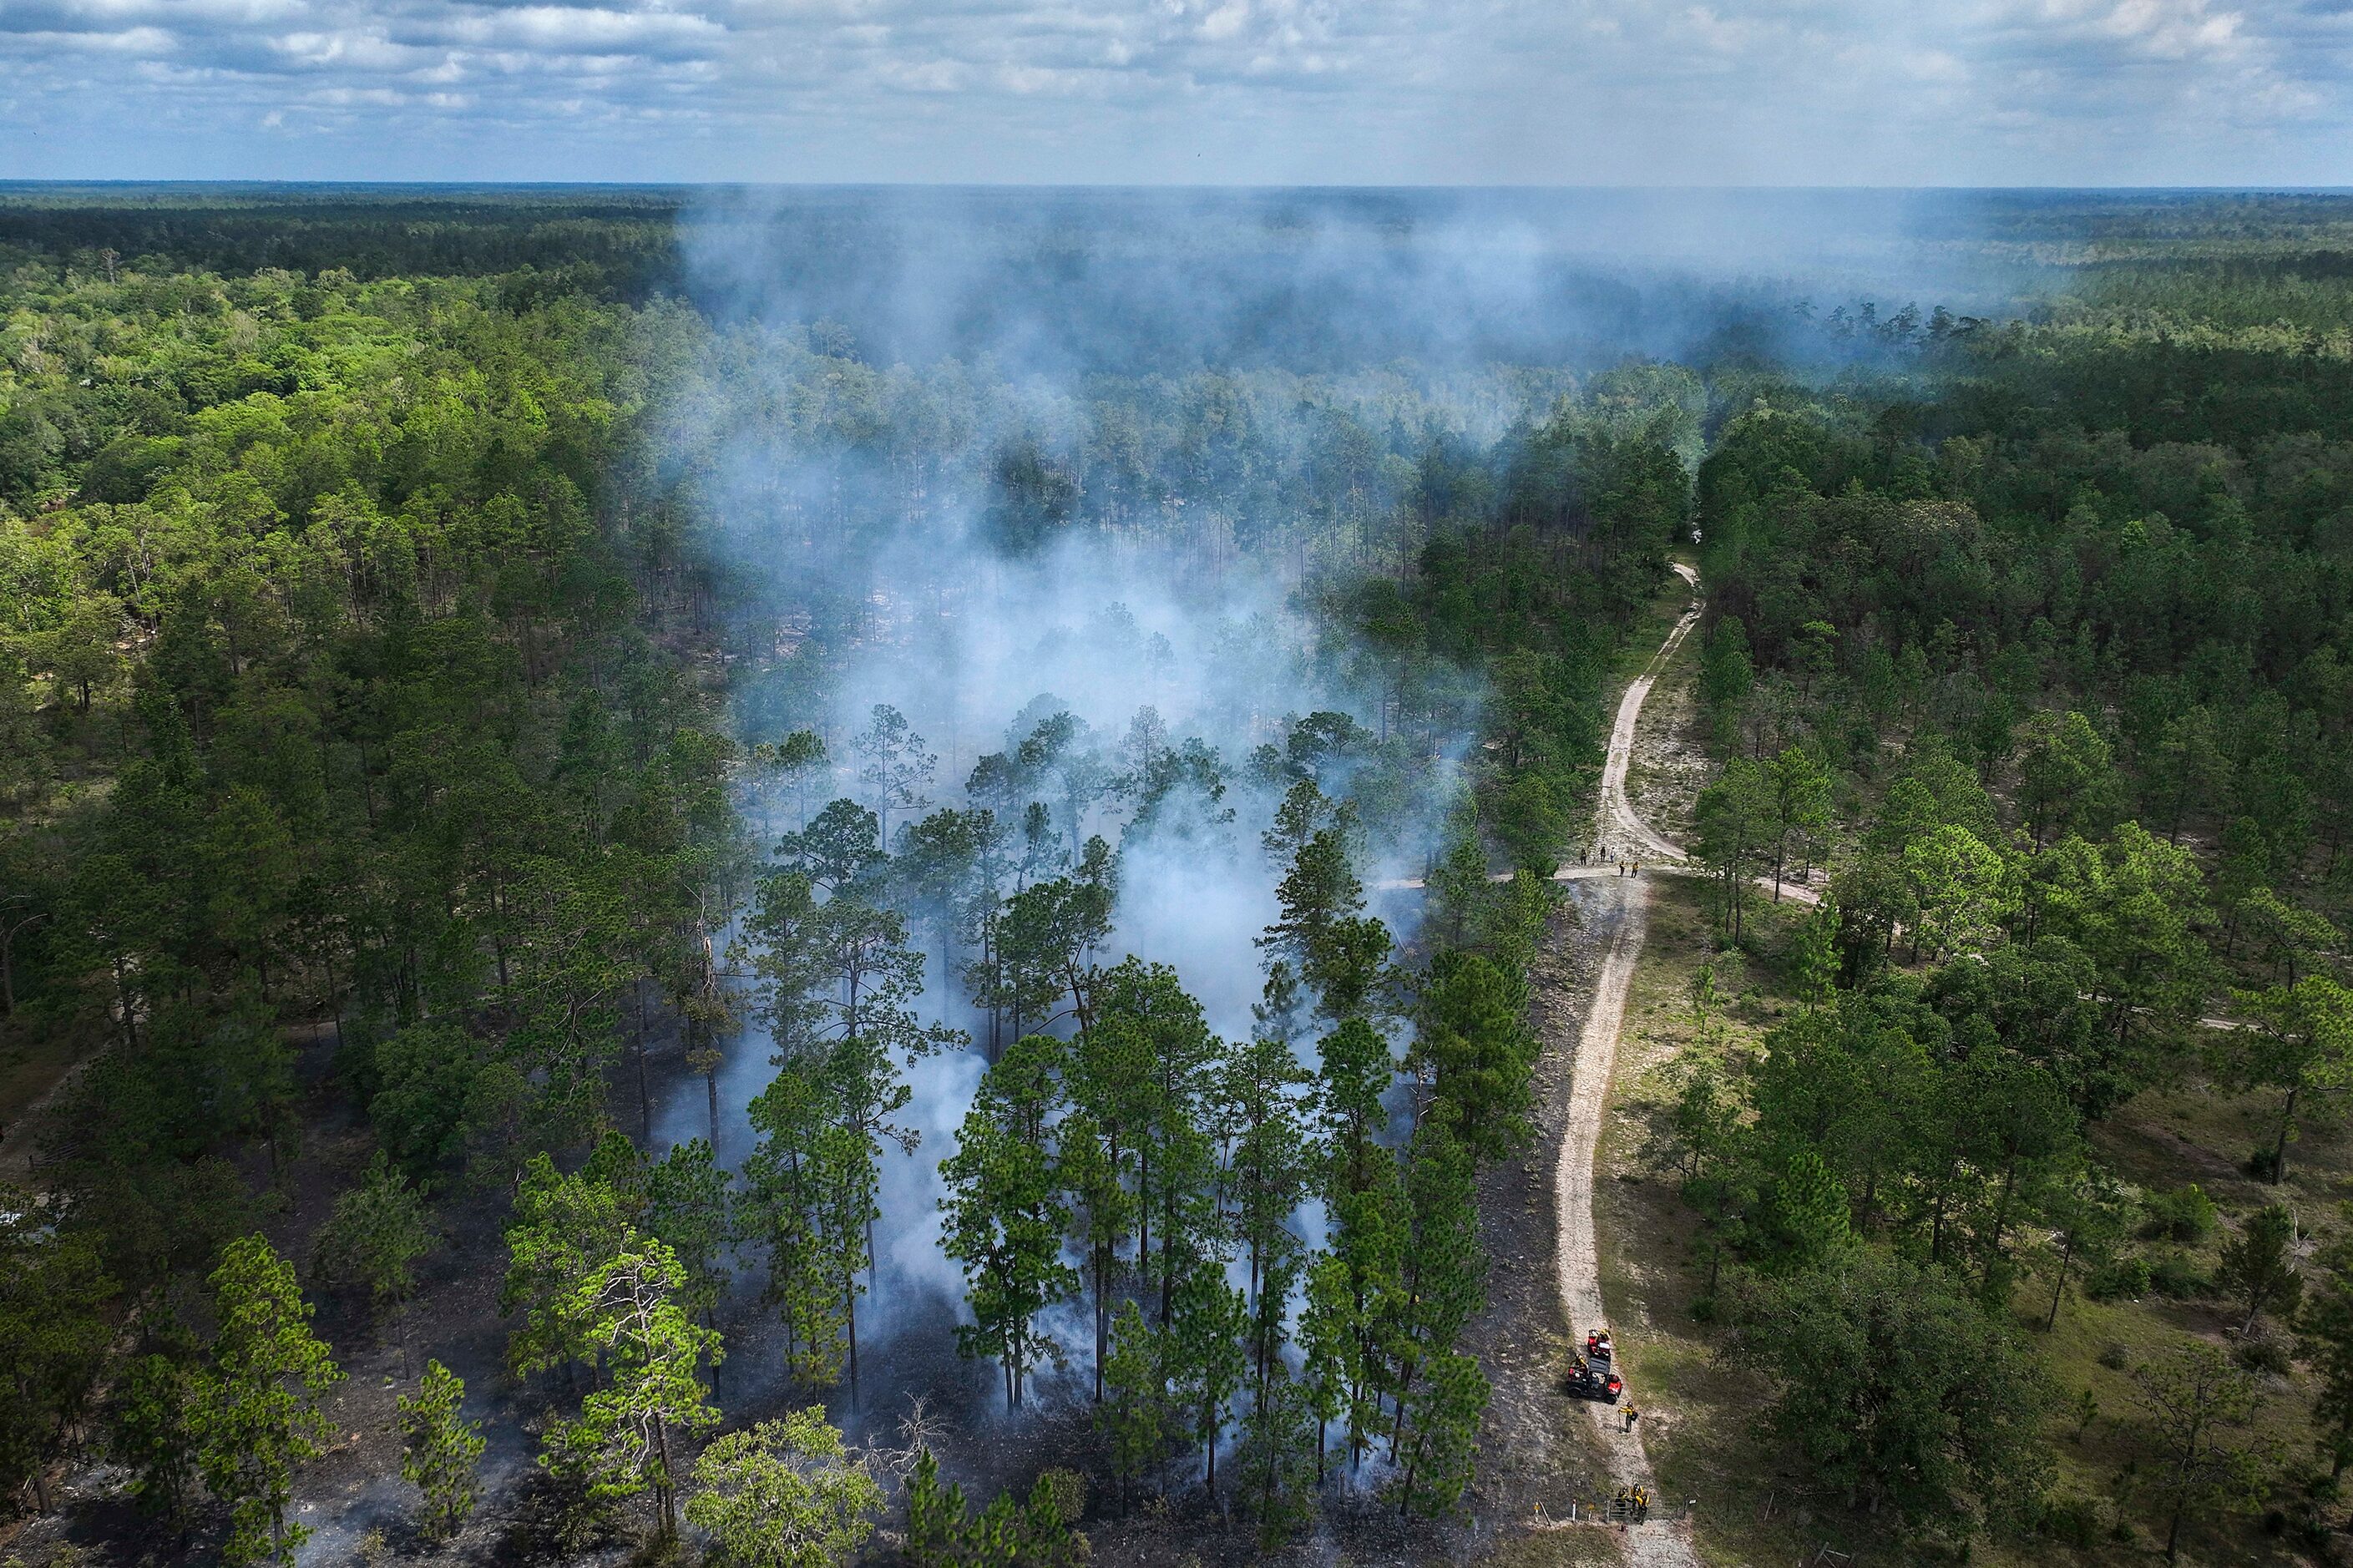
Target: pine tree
(57,1325)
(799,757)
(2326,1340)
(1512,928)
(2195,1403)
(1799,782)
(2302,1041)
(1152,1048)
(1136,1417)
(1006,1217)
(1331,1347)
(1057,1501)
(876,978)
(440,1449)
(1441,1275)
(845,1187)
(1015,1534)
(1443,1419)
(838,850)
(1322,929)
(622,1443)
(1814,953)
(1112,1083)
(1477,1051)
(1727,676)
(933,871)
(935,1515)
(784,1213)
(564,1226)
(583,956)
(1047,940)
(1008,1533)
(1091,1168)
(256,1405)
(1267,1175)
(1206,1360)
(1274,1480)
(1268,1166)
(1368,1244)
(686,1209)
(1458,888)
(1804,1216)
(784,938)
(2258,1266)
(373,1239)
(1356,1072)
(154,1434)
(1733,816)
(785,1494)
(1281,1010)
(896,766)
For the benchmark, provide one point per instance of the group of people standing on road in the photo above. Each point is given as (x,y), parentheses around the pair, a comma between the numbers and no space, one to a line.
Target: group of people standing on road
(1625,868)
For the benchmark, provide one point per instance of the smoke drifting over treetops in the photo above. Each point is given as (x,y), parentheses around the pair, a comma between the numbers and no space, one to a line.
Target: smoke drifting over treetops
(1170,651)
(1068,282)
(987,459)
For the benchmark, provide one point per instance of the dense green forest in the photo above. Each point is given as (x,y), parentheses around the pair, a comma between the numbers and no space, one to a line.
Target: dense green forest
(387,817)
(512,891)
(2043,661)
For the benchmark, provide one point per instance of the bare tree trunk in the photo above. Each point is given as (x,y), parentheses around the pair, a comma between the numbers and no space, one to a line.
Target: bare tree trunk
(2059,1286)
(711,1092)
(645,1095)
(850,1302)
(662,1483)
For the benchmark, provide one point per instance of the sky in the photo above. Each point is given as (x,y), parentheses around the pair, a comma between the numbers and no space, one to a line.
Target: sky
(1546,92)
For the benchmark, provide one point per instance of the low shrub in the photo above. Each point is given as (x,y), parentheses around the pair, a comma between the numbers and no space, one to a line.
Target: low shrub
(2072,1522)
(2119,1278)
(2176,1277)
(2187,1215)
(2263,1354)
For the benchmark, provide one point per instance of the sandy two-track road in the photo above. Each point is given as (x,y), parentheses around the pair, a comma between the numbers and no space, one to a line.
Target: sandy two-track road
(1666,1540)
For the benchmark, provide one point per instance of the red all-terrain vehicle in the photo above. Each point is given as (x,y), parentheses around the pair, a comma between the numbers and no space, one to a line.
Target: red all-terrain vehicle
(1589,1380)
(1592,1376)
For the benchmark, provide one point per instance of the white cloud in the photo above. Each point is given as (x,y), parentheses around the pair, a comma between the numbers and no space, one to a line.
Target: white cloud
(581,29)
(359,50)
(123,41)
(1470,91)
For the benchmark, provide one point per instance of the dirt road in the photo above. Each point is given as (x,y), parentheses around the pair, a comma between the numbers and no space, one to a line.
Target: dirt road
(1618,827)
(1665,1544)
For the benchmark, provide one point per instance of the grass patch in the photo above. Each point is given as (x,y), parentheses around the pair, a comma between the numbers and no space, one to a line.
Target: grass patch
(1699,1424)
(1556,1548)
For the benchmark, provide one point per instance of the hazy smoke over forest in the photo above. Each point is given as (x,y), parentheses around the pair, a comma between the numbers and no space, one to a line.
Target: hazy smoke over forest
(1138,282)
(984,457)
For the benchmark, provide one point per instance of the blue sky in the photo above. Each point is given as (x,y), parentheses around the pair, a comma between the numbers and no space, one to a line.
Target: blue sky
(1185,91)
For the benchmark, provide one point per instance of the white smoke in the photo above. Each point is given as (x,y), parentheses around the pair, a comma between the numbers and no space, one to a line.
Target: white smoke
(839,432)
